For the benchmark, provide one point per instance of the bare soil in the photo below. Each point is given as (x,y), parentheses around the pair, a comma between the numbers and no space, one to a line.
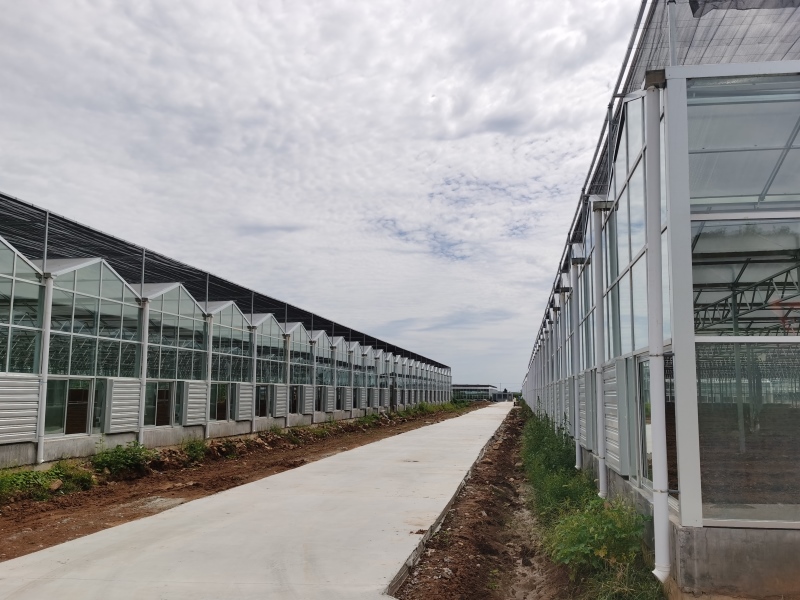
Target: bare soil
(486,547)
(30,525)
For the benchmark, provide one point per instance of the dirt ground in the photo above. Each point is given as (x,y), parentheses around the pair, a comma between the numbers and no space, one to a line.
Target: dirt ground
(486,547)
(30,525)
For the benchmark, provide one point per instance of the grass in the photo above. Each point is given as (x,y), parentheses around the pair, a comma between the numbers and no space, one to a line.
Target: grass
(600,542)
(61,478)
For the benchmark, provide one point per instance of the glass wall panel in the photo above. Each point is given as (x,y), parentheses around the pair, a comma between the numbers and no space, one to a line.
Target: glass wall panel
(740,133)
(23,351)
(745,277)
(749,419)
(639,285)
(623,235)
(3,348)
(55,406)
(637,209)
(6,289)
(26,304)
(635,128)
(625,333)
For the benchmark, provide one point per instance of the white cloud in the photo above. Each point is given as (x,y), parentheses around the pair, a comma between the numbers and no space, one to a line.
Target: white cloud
(408,169)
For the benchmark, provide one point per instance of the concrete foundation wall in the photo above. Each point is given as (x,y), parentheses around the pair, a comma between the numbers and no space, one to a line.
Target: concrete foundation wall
(266,423)
(16,455)
(293,420)
(227,428)
(83,445)
(321,417)
(171,436)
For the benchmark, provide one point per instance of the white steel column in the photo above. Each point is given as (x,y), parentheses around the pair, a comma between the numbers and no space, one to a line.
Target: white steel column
(313,344)
(655,332)
(679,237)
(575,346)
(44,363)
(599,351)
(209,365)
(563,359)
(145,336)
(253,374)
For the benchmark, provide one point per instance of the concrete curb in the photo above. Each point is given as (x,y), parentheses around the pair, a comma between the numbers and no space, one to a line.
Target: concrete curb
(399,579)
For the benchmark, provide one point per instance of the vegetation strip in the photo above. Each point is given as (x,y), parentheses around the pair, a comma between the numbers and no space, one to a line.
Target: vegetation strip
(601,542)
(133,460)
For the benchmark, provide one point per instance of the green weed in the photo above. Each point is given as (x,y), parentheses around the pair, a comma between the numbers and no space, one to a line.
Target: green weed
(124,462)
(195,449)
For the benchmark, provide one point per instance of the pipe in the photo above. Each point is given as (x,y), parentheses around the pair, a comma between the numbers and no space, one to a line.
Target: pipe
(576,426)
(655,332)
(44,362)
(145,331)
(599,352)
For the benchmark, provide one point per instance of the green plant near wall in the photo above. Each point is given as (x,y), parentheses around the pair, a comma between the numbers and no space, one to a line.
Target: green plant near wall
(195,449)
(600,542)
(124,462)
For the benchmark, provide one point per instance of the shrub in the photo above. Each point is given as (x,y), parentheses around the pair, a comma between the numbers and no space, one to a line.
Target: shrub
(600,542)
(123,462)
(195,449)
(601,535)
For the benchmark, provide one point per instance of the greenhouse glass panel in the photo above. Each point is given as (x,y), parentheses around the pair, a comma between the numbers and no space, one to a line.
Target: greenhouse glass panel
(85,321)
(88,280)
(82,360)
(25,271)
(635,129)
(59,354)
(639,284)
(637,209)
(6,260)
(622,231)
(23,352)
(55,406)
(740,133)
(108,358)
(110,318)
(168,363)
(128,366)
(61,311)
(130,322)
(26,304)
(3,348)
(6,288)
(745,277)
(748,400)
(112,285)
(153,361)
(625,328)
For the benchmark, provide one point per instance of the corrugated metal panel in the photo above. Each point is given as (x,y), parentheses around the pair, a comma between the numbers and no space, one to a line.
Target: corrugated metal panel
(281,400)
(124,413)
(196,403)
(571,404)
(330,400)
(308,399)
(625,392)
(348,398)
(582,414)
(610,402)
(19,406)
(244,406)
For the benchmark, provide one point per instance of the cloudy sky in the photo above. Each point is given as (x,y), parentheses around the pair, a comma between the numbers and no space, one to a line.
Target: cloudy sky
(408,168)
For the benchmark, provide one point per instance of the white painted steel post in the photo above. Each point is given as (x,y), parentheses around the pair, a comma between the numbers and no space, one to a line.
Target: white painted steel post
(313,344)
(576,427)
(655,332)
(599,346)
(44,362)
(562,319)
(209,368)
(145,336)
(679,237)
(253,375)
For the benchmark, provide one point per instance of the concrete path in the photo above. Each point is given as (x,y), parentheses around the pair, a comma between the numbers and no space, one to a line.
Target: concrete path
(341,527)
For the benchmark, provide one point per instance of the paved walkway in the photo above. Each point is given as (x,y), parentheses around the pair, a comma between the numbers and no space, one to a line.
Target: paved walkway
(341,527)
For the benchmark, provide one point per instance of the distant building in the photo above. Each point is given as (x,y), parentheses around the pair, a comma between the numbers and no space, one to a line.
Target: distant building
(473,392)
